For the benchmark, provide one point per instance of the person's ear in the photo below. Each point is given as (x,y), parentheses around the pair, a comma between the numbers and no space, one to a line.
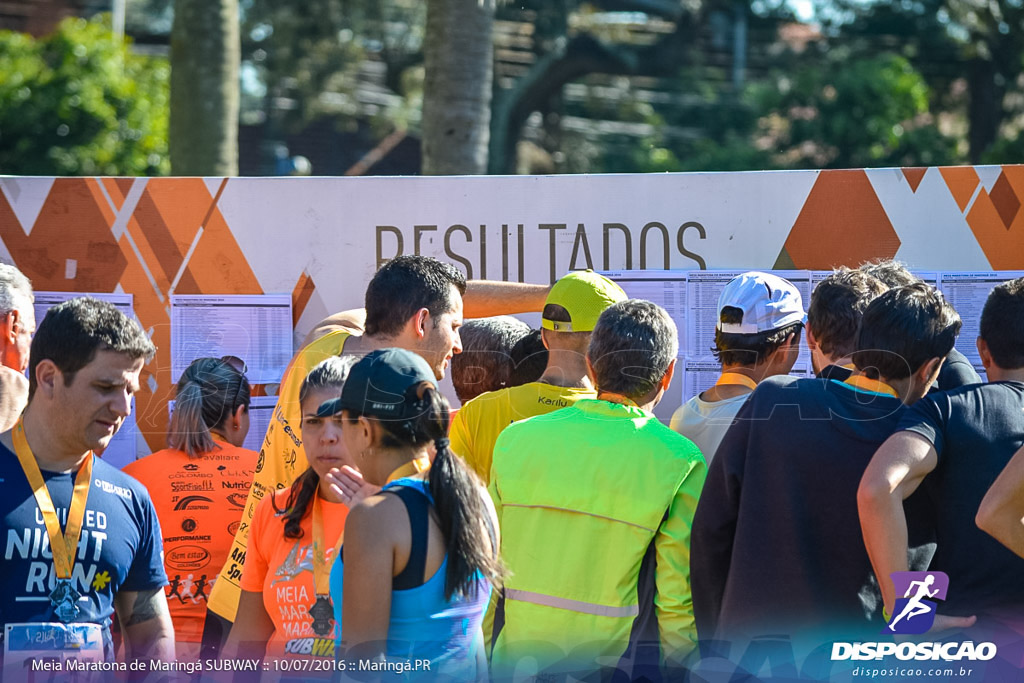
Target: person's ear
(544,332)
(9,327)
(983,351)
(420,322)
(812,343)
(928,372)
(590,370)
(666,379)
(366,430)
(47,377)
(236,417)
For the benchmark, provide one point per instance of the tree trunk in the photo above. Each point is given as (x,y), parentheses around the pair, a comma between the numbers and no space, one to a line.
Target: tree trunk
(205,56)
(985,107)
(458,55)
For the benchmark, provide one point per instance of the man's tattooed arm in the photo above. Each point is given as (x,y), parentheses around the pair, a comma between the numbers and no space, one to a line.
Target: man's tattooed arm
(146,624)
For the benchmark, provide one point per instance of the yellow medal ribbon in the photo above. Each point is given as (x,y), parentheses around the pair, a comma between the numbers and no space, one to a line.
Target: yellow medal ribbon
(736,378)
(420,464)
(322,610)
(63,545)
(874,385)
(321,572)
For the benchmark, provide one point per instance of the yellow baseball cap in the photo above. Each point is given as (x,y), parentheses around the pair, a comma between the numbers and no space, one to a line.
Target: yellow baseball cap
(585,295)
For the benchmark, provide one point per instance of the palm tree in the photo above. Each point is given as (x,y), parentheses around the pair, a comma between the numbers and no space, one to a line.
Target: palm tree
(205,56)
(458,54)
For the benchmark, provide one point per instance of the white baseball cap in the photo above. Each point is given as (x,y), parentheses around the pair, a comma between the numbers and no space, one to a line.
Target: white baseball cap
(768,303)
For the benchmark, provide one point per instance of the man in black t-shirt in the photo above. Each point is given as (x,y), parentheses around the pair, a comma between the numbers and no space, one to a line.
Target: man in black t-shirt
(1002,509)
(952,445)
(105,555)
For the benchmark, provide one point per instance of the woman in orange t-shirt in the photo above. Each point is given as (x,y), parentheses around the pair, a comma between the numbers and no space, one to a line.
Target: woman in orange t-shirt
(285,609)
(199,486)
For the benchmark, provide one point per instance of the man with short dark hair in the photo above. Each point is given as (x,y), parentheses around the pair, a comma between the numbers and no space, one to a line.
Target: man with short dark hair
(570,313)
(757,336)
(412,302)
(837,305)
(952,445)
(957,370)
(595,503)
(105,551)
(776,539)
(485,363)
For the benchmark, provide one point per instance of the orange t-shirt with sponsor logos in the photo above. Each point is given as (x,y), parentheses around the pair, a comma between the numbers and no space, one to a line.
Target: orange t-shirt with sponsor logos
(199,503)
(282,569)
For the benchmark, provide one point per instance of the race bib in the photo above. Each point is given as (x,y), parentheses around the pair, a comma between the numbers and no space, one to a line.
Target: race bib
(48,651)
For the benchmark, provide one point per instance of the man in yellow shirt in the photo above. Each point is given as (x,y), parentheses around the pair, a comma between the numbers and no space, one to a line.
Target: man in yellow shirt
(570,313)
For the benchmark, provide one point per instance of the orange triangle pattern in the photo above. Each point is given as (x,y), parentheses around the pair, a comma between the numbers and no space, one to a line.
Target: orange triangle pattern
(914,176)
(961,181)
(75,224)
(842,223)
(1002,243)
(300,296)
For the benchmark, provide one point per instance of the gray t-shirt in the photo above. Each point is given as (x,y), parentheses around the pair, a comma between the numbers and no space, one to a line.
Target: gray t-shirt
(705,423)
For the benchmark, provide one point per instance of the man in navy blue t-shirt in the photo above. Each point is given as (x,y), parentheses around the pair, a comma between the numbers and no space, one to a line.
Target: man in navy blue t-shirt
(85,363)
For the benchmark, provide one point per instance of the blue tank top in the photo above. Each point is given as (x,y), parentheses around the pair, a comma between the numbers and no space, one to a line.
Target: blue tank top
(424,625)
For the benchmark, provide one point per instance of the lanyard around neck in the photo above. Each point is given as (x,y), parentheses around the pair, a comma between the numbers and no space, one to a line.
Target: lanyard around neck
(874,385)
(737,379)
(321,570)
(63,545)
(420,464)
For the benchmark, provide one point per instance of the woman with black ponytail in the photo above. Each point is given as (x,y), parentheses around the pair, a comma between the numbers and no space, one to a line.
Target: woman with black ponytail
(284,610)
(414,576)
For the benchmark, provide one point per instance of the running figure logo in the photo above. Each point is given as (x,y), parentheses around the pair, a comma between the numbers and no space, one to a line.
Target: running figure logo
(914,613)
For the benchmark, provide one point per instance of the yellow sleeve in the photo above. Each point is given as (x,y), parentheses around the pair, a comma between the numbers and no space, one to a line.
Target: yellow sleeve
(461,438)
(673,600)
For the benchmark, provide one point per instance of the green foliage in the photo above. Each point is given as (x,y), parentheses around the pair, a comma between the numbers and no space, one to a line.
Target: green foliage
(77,102)
(852,113)
(833,112)
(971,53)
(1006,150)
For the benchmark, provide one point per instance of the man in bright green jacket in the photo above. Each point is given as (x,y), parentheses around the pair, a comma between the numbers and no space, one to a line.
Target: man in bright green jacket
(596,503)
